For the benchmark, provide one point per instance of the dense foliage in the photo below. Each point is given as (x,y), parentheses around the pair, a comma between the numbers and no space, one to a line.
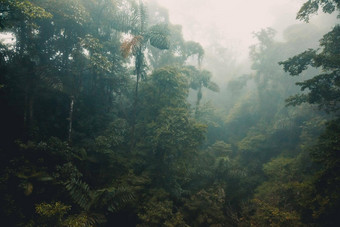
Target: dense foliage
(97,130)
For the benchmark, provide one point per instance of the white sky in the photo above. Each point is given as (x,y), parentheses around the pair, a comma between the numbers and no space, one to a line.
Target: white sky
(231,21)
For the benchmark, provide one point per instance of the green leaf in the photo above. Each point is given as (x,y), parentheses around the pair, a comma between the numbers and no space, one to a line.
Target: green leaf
(159,36)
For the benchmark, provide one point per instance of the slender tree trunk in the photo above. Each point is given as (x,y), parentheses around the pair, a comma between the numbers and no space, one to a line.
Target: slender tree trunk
(134,114)
(26,112)
(70,120)
(199,92)
(28,116)
(139,67)
(199,97)
(30,108)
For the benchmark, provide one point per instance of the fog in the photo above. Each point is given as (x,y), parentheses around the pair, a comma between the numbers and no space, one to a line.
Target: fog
(226,30)
(172,113)
(231,22)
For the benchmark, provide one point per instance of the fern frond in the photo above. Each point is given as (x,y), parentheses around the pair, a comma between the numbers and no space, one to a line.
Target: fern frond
(84,220)
(113,199)
(69,176)
(79,192)
(52,209)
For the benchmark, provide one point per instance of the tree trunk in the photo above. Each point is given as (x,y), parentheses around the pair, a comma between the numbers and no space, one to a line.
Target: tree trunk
(134,114)
(28,116)
(70,120)
(199,97)
(139,67)
(26,113)
(30,109)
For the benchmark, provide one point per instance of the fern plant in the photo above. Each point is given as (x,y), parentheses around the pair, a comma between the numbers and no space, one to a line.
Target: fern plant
(90,201)
(55,214)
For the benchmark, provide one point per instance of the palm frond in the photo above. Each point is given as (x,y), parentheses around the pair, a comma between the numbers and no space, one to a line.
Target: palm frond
(194,48)
(124,22)
(143,16)
(159,36)
(130,46)
(212,86)
(131,18)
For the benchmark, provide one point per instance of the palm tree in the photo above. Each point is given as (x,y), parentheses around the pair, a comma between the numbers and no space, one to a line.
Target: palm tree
(142,35)
(199,79)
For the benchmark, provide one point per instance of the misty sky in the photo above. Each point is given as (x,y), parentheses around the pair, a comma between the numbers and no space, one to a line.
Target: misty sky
(230,22)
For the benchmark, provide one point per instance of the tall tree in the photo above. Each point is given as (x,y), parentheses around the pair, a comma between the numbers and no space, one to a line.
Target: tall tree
(322,90)
(142,34)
